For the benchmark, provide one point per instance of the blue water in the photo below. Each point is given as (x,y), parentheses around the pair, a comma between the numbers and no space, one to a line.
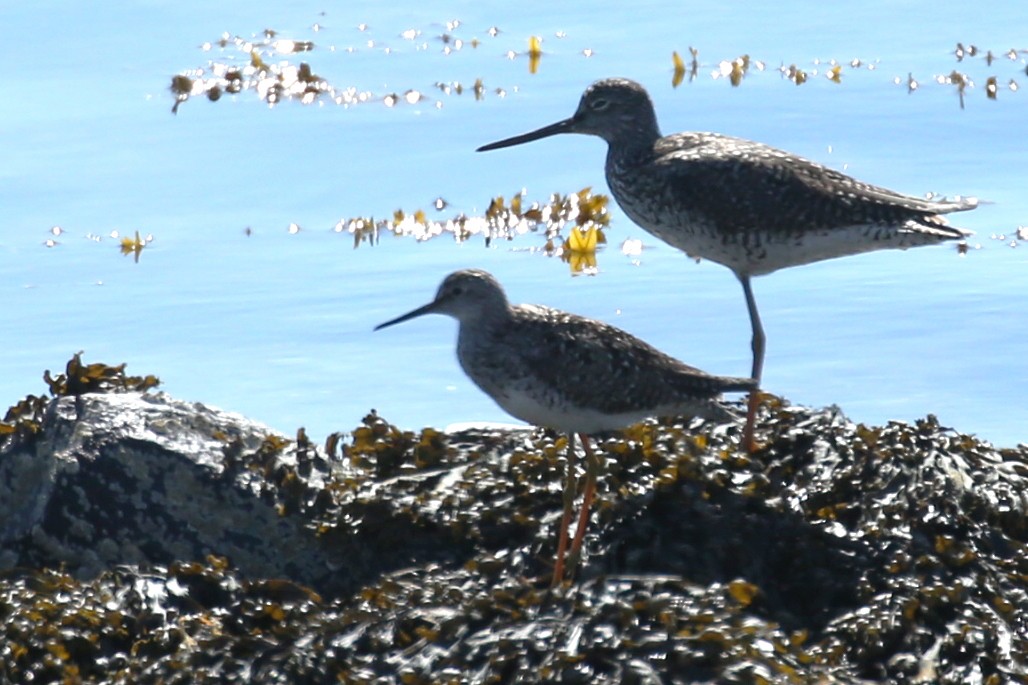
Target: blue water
(277,326)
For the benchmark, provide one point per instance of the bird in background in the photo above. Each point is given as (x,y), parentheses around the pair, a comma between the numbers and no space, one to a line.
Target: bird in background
(570,373)
(745,205)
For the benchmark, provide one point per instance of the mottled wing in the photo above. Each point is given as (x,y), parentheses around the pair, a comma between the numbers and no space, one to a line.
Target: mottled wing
(742,184)
(588,358)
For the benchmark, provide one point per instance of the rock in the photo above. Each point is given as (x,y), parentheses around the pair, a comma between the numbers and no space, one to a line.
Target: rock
(135,478)
(198,546)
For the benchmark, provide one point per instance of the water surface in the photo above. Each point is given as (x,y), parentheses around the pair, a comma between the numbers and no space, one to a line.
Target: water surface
(277,326)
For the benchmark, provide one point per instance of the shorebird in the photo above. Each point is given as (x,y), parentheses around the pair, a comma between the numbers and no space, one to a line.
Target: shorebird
(576,375)
(742,204)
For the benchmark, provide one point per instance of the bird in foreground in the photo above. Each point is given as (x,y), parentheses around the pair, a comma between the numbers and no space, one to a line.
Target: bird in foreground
(742,204)
(576,375)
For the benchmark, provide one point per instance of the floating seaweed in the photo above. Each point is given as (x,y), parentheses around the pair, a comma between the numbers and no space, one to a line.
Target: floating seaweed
(134,246)
(735,70)
(963,81)
(262,65)
(584,210)
(579,250)
(679,67)
(535,53)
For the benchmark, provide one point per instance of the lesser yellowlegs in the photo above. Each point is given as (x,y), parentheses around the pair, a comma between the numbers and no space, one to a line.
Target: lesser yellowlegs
(742,204)
(566,372)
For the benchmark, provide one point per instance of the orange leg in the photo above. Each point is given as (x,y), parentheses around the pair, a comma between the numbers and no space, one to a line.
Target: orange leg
(748,444)
(592,471)
(565,520)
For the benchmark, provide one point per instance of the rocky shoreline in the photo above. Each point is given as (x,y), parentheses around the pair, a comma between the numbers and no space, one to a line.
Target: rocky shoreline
(147,539)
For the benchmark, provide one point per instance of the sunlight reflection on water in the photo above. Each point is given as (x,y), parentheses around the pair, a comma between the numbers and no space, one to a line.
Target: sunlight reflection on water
(276,324)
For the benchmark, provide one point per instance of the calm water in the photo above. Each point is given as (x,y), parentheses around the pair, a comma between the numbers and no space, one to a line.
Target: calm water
(278,326)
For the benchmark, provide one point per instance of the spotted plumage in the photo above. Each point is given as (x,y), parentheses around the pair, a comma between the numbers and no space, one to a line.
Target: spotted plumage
(768,209)
(559,370)
(567,372)
(742,204)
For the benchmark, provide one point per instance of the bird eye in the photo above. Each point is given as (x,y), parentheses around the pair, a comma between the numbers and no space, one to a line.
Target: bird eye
(600,104)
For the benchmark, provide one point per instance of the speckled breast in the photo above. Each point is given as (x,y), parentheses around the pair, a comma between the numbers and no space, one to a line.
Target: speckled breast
(691,231)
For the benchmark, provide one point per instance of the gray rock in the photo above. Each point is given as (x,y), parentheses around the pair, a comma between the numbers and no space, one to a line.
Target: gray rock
(134,478)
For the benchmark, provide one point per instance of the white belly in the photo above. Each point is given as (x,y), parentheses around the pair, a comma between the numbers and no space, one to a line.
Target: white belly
(756,253)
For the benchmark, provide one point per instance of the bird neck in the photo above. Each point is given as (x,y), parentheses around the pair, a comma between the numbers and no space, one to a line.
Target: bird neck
(635,140)
(484,320)
(477,342)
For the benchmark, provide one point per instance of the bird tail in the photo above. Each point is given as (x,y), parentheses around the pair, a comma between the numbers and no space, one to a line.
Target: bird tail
(716,410)
(957,204)
(928,206)
(719,412)
(935,227)
(734,384)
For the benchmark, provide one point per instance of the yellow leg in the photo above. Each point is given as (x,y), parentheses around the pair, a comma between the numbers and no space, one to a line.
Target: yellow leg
(748,444)
(592,471)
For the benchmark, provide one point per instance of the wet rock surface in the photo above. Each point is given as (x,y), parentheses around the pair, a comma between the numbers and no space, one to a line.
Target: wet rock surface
(149,540)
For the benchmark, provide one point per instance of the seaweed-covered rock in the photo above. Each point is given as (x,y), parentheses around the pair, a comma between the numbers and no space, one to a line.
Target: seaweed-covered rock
(837,552)
(133,478)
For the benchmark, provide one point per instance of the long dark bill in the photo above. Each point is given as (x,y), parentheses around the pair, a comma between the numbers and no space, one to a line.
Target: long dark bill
(566,126)
(427,309)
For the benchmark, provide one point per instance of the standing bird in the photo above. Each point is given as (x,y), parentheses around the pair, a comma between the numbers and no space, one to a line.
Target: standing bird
(566,372)
(742,204)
